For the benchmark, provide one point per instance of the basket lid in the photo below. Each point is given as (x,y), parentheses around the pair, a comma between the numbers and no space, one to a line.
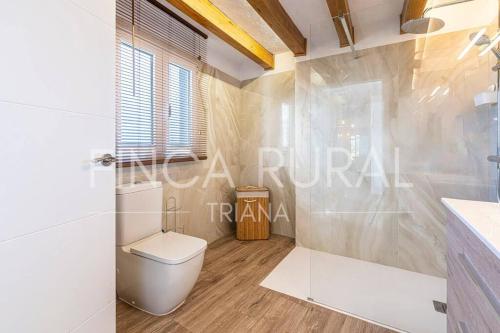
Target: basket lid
(251,188)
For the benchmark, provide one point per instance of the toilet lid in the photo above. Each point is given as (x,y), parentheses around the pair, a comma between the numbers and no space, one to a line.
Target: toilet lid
(169,248)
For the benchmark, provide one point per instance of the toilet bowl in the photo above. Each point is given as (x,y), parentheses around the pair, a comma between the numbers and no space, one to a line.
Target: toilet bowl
(155,271)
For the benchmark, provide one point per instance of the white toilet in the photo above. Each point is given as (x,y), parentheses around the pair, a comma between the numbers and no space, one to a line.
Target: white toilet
(155,271)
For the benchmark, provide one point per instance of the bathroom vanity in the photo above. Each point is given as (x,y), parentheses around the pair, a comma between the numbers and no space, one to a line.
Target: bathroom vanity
(473,233)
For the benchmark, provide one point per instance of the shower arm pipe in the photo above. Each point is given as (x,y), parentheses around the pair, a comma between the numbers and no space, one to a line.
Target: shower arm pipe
(343,21)
(444,5)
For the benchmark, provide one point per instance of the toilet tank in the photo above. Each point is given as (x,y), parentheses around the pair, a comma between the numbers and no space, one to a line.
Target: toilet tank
(138,211)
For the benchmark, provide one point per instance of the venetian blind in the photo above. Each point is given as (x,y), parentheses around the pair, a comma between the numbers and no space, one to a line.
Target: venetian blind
(160,92)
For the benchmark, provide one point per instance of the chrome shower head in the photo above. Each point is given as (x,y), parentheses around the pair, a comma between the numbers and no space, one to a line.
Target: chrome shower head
(423,25)
(483,40)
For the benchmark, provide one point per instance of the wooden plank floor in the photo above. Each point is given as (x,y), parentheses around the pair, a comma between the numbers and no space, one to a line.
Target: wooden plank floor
(228,298)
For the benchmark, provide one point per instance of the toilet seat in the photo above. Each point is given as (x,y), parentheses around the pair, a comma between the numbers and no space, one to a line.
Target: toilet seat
(169,248)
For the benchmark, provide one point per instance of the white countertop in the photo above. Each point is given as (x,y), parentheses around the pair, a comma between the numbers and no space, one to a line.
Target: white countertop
(483,218)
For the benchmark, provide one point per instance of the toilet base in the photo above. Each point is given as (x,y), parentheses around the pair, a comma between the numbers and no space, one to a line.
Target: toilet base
(152,286)
(154,314)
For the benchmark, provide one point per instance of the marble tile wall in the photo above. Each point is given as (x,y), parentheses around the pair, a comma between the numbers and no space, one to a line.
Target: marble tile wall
(198,209)
(414,96)
(266,121)
(404,109)
(242,117)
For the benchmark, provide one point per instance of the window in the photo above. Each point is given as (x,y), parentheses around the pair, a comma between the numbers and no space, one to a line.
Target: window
(136,98)
(160,116)
(160,113)
(179,112)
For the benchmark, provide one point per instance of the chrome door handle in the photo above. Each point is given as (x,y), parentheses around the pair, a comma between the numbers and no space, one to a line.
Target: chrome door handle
(494,159)
(105,160)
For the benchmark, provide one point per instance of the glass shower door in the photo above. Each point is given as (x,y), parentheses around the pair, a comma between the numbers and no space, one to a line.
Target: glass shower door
(381,138)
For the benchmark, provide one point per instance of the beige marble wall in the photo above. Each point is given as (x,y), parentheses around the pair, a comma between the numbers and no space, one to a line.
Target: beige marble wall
(194,214)
(415,97)
(389,96)
(242,117)
(266,122)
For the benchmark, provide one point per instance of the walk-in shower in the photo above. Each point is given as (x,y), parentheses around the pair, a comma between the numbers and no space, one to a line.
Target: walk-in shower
(379,139)
(383,137)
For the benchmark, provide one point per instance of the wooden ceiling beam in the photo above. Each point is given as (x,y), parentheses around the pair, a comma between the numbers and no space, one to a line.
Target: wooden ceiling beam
(214,20)
(412,9)
(341,8)
(280,22)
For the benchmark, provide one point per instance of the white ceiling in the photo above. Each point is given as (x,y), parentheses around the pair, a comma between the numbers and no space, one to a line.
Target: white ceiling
(376,22)
(307,15)
(246,17)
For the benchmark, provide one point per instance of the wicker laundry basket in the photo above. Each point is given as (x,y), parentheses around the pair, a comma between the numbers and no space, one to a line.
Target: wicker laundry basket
(252,213)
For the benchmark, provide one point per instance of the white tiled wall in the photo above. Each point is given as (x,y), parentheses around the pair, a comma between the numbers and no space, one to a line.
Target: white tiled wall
(57,106)
(57,278)
(102,321)
(57,54)
(41,142)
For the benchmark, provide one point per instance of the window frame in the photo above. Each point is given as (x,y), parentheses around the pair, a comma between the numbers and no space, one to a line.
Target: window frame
(161,60)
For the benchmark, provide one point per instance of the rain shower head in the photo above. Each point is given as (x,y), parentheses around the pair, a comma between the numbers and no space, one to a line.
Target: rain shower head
(425,25)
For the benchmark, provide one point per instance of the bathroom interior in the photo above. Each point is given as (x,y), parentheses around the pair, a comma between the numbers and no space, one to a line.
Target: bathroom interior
(250,166)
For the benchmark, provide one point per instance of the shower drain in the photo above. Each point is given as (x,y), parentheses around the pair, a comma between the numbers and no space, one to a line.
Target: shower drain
(440,306)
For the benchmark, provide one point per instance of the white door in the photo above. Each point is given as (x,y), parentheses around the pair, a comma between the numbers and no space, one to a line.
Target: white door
(56,209)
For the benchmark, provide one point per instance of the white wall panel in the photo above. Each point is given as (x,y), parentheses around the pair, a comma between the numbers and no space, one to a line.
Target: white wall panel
(57,248)
(56,54)
(102,321)
(54,280)
(47,168)
(104,10)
